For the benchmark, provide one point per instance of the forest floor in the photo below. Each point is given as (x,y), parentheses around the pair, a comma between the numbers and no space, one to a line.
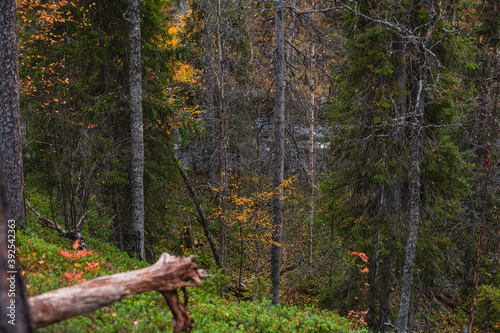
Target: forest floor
(48,262)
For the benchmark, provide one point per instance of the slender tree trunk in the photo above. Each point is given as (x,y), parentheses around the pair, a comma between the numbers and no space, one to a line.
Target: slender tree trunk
(411,245)
(416,152)
(209,91)
(10,118)
(484,217)
(278,152)
(222,142)
(137,135)
(311,162)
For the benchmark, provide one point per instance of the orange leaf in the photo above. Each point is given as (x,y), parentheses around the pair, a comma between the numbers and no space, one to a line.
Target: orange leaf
(92,265)
(76,244)
(76,255)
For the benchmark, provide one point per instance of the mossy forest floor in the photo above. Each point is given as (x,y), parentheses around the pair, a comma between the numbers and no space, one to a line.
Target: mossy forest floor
(49,262)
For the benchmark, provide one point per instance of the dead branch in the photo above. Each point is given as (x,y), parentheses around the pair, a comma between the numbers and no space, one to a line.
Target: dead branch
(72,235)
(167,275)
(203,217)
(79,225)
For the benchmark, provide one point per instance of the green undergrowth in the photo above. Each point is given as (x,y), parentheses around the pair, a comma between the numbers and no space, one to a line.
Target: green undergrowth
(49,262)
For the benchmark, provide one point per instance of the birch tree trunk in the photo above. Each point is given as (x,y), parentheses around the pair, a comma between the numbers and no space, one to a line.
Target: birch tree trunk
(136,129)
(10,119)
(278,152)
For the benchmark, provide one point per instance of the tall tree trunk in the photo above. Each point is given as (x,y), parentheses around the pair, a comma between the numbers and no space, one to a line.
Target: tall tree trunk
(416,152)
(490,137)
(486,137)
(14,310)
(278,152)
(10,119)
(209,91)
(222,142)
(311,161)
(411,245)
(136,127)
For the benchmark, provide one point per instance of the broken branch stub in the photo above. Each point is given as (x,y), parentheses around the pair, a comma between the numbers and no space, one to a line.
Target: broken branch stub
(167,275)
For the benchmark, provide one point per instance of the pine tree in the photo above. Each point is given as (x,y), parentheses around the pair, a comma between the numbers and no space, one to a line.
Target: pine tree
(10,118)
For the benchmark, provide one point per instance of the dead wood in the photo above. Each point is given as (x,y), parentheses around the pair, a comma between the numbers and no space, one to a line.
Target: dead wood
(165,276)
(203,217)
(72,235)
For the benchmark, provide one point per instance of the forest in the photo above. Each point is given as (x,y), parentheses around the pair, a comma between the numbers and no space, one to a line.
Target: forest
(330,165)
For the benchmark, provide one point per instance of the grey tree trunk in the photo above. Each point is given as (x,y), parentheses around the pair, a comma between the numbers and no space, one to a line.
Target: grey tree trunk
(222,142)
(208,89)
(278,152)
(136,130)
(411,245)
(416,152)
(10,119)
(311,162)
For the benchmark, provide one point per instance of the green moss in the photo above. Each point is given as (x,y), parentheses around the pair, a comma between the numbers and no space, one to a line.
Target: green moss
(45,268)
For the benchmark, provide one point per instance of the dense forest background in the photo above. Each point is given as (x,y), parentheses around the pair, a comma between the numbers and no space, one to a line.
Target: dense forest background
(390,145)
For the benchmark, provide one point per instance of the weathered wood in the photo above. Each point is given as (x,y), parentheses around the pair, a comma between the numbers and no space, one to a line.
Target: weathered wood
(166,276)
(72,235)
(203,217)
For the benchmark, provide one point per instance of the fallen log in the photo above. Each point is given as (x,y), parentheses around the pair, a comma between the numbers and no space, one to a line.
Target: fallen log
(72,235)
(167,275)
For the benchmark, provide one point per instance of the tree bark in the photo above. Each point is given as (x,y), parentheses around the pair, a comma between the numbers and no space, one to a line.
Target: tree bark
(14,310)
(416,146)
(411,245)
(136,130)
(222,142)
(166,276)
(311,162)
(10,118)
(278,152)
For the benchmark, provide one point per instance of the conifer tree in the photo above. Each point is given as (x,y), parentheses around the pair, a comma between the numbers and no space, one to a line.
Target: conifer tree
(10,117)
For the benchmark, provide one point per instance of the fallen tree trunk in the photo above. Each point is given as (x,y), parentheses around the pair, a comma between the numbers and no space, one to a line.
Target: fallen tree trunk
(165,276)
(72,235)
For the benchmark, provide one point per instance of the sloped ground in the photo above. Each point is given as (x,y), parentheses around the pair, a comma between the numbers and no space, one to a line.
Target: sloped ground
(49,262)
